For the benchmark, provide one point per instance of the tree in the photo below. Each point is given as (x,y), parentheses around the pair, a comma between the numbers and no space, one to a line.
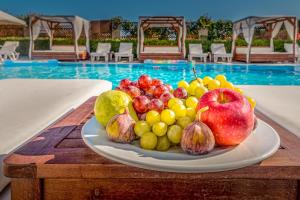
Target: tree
(130,28)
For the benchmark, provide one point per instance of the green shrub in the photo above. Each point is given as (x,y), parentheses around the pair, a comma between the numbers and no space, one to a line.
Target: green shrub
(43,43)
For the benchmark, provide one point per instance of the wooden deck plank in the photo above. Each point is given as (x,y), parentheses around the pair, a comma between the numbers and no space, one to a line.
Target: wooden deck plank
(59,152)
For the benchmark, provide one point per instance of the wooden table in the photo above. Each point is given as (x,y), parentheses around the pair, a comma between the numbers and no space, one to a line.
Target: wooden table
(58,165)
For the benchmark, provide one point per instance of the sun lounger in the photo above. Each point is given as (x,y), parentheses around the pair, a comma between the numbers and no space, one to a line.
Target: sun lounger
(125,51)
(218,51)
(42,102)
(289,48)
(103,50)
(8,50)
(196,51)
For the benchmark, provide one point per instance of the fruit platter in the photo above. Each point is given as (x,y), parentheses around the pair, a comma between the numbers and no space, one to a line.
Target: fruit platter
(205,125)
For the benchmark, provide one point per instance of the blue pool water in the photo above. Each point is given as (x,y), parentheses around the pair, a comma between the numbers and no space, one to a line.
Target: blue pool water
(171,73)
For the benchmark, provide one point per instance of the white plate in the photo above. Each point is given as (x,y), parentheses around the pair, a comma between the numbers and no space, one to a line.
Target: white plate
(261,144)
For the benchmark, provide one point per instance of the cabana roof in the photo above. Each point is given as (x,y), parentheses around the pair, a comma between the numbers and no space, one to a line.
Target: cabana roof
(58,18)
(7,19)
(265,19)
(161,21)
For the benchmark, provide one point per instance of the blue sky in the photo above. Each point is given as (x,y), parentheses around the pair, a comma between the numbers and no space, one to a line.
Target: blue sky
(131,9)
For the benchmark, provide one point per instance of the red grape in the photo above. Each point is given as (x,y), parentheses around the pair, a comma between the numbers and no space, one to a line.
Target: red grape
(125,83)
(118,88)
(170,88)
(165,97)
(140,104)
(150,91)
(156,104)
(132,91)
(180,93)
(142,116)
(156,82)
(134,84)
(144,81)
(159,90)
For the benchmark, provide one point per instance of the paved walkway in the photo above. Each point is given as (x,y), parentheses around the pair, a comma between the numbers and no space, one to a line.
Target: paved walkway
(280,103)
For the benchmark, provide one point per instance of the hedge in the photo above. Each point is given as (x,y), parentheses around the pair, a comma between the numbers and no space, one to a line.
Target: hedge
(43,43)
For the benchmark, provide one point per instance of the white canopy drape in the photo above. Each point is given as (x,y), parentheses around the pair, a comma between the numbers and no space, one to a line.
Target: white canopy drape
(41,23)
(276,28)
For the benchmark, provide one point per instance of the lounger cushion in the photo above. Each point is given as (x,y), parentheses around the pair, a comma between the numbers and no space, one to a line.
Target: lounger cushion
(161,49)
(254,50)
(29,105)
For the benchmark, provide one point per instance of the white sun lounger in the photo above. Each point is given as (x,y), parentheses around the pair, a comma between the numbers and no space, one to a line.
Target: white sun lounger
(103,50)
(289,48)
(125,51)
(196,51)
(29,105)
(8,50)
(218,51)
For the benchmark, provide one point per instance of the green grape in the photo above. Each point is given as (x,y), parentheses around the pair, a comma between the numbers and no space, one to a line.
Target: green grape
(168,116)
(183,84)
(192,88)
(152,117)
(214,84)
(199,91)
(191,102)
(206,80)
(221,78)
(184,121)
(174,134)
(141,127)
(228,85)
(160,128)
(191,113)
(163,143)
(174,101)
(148,141)
(180,110)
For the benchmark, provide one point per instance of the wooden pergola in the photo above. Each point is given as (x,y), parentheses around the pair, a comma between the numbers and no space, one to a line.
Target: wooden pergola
(162,52)
(49,24)
(273,25)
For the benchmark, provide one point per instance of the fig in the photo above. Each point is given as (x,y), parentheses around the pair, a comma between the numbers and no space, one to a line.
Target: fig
(120,128)
(197,138)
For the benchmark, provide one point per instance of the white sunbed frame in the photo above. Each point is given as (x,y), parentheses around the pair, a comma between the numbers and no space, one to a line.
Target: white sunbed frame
(125,51)
(196,51)
(103,50)
(218,51)
(8,51)
(289,48)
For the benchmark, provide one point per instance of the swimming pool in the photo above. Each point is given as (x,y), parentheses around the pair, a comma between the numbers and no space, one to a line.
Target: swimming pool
(238,74)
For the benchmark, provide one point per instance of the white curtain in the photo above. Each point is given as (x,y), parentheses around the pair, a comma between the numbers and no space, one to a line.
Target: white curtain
(184,37)
(180,38)
(87,35)
(290,29)
(248,27)
(48,30)
(34,32)
(236,29)
(276,28)
(138,39)
(77,26)
(142,39)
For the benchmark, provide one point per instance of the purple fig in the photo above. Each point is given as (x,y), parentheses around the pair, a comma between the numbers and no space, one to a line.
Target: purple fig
(120,128)
(197,139)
